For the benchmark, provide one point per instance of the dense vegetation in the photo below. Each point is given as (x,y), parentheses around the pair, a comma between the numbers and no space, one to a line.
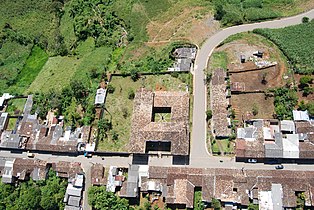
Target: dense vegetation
(296,42)
(75,102)
(234,12)
(309,106)
(39,195)
(285,101)
(100,199)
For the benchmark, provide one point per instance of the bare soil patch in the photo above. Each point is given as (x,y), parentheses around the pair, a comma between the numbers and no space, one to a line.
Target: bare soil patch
(260,79)
(183,24)
(244,103)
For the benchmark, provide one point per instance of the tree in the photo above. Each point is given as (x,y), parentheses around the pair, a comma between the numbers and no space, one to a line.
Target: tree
(253,206)
(255,110)
(53,192)
(110,89)
(198,203)
(99,198)
(131,94)
(29,196)
(104,125)
(305,81)
(216,204)
(71,116)
(209,115)
(308,91)
(305,20)
(134,75)
(115,136)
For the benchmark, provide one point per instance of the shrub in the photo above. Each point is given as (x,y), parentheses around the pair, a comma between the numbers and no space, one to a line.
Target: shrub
(255,110)
(131,94)
(305,20)
(209,115)
(110,89)
(305,80)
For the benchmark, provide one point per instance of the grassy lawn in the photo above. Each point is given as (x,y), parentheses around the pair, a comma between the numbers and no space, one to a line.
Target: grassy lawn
(58,71)
(55,74)
(15,105)
(225,145)
(120,107)
(218,60)
(11,124)
(31,69)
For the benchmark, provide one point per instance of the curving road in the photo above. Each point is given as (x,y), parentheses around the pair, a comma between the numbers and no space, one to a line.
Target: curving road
(199,153)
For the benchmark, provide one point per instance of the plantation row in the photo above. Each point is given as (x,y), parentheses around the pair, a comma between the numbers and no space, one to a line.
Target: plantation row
(296,42)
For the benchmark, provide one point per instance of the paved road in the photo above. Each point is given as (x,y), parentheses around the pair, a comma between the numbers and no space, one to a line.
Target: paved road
(199,152)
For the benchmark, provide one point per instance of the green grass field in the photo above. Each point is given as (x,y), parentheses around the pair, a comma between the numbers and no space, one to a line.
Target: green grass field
(31,69)
(58,71)
(120,107)
(12,123)
(15,105)
(55,74)
(218,60)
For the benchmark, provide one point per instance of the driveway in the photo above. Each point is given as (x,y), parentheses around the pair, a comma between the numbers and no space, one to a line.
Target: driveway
(199,152)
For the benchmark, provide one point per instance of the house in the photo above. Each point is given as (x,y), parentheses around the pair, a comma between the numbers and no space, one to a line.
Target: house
(185,57)
(271,199)
(219,105)
(4,98)
(7,174)
(73,194)
(287,126)
(160,123)
(99,175)
(23,169)
(185,52)
(100,96)
(10,140)
(235,188)
(300,115)
(131,187)
(4,120)
(67,169)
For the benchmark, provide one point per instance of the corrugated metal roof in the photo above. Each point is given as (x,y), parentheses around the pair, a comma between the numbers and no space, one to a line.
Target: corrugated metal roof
(300,115)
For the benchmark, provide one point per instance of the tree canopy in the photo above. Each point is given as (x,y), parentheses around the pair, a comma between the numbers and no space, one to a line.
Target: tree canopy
(100,199)
(30,195)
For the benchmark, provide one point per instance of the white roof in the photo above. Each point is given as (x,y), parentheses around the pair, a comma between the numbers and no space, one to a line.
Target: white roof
(90,147)
(71,190)
(291,146)
(4,97)
(267,133)
(100,96)
(265,201)
(276,196)
(287,125)
(79,180)
(300,115)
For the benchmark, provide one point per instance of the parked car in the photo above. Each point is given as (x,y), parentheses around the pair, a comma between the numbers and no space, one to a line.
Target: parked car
(30,154)
(279,167)
(252,161)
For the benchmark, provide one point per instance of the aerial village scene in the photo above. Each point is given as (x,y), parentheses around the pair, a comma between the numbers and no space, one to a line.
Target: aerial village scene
(156,104)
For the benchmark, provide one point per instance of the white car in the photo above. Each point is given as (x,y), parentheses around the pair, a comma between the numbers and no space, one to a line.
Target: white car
(252,160)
